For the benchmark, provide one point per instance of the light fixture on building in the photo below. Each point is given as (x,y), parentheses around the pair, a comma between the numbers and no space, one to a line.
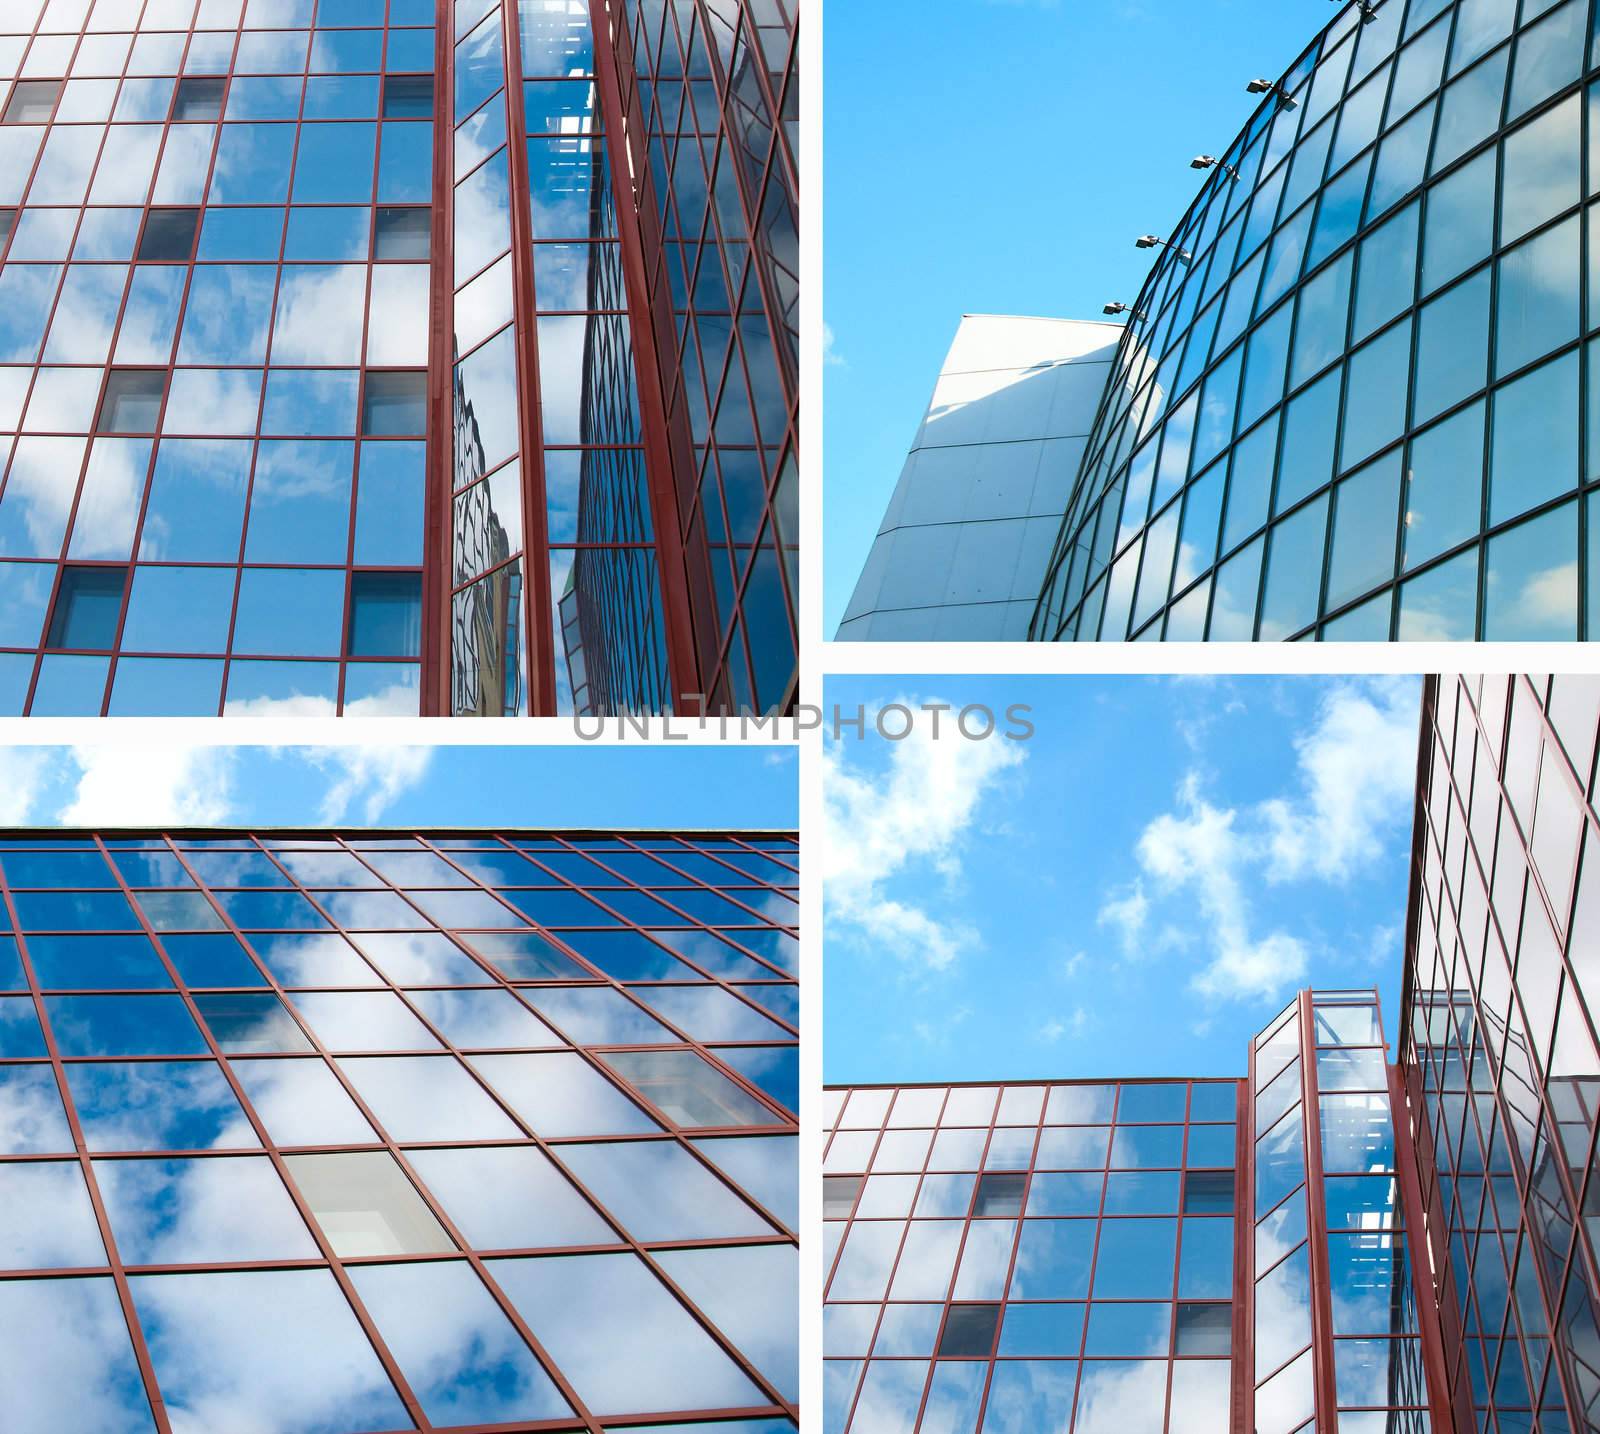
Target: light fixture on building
(1267,87)
(1137,314)
(1151,241)
(1207,161)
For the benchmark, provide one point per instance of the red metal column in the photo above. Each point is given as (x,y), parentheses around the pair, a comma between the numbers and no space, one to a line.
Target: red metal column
(538,607)
(1243,1364)
(440,470)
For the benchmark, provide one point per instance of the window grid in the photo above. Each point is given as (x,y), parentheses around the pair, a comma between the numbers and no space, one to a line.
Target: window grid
(204,668)
(1274,607)
(848,1378)
(725,859)
(1502,1070)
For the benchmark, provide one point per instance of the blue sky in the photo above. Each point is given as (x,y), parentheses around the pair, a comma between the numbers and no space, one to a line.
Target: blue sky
(1135,890)
(1000,156)
(145,783)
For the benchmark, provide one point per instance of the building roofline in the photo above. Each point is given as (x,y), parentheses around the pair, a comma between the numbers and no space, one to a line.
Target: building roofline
(1042,1080)
(1046,319)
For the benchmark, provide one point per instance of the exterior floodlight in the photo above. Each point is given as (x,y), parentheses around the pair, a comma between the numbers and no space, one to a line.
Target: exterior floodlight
(1151,241)
(1206,161)
(1124,309)
(1266,87)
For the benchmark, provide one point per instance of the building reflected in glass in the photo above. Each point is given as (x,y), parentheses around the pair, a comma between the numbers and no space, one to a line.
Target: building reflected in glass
(330,360)
(1333,1241)
(496,1130)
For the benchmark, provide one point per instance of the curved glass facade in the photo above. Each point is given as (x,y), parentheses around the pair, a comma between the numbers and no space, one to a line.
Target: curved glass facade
(1355,401)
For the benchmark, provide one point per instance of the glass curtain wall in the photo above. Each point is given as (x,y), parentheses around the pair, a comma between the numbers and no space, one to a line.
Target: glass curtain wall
(710,96)
(499,1128)
(1500,1055)
(1356,398)
(214,308)
(1025,1257)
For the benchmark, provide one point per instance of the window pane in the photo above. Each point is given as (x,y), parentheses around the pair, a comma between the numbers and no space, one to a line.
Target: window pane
(326,1375)
(366,1206)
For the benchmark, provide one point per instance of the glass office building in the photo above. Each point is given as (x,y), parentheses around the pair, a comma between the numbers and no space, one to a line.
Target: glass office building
(1499,1044)
(1356,396)
(390,1130)
(347,365)
(1334,1241)
(1355,400)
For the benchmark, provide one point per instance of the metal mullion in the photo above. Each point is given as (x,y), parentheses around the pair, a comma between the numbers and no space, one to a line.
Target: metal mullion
(457,588)
(478,273)
(637,1248)
(413,1407)
(439,451)
(1242,1333)
(369,1328)
(537,604)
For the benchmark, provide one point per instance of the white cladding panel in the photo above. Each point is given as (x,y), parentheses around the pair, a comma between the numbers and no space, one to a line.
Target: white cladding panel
(961,553)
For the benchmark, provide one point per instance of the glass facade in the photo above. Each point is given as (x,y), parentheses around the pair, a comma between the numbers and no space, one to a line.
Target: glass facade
(1334,1298)
(499,1129)
(330,374)
(1356,399)
(1030,1257)
(710,99)
(1500,1053)
(1418,1248)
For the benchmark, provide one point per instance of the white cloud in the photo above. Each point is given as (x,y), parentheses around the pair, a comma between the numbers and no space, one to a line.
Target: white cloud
(374,777)
(937,1033)
(1126,915)
(1358,770)
(151,786)
(916,812)
(23,774)
(830,355)
(1354,786)
(1075,1023)
(1198,850)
